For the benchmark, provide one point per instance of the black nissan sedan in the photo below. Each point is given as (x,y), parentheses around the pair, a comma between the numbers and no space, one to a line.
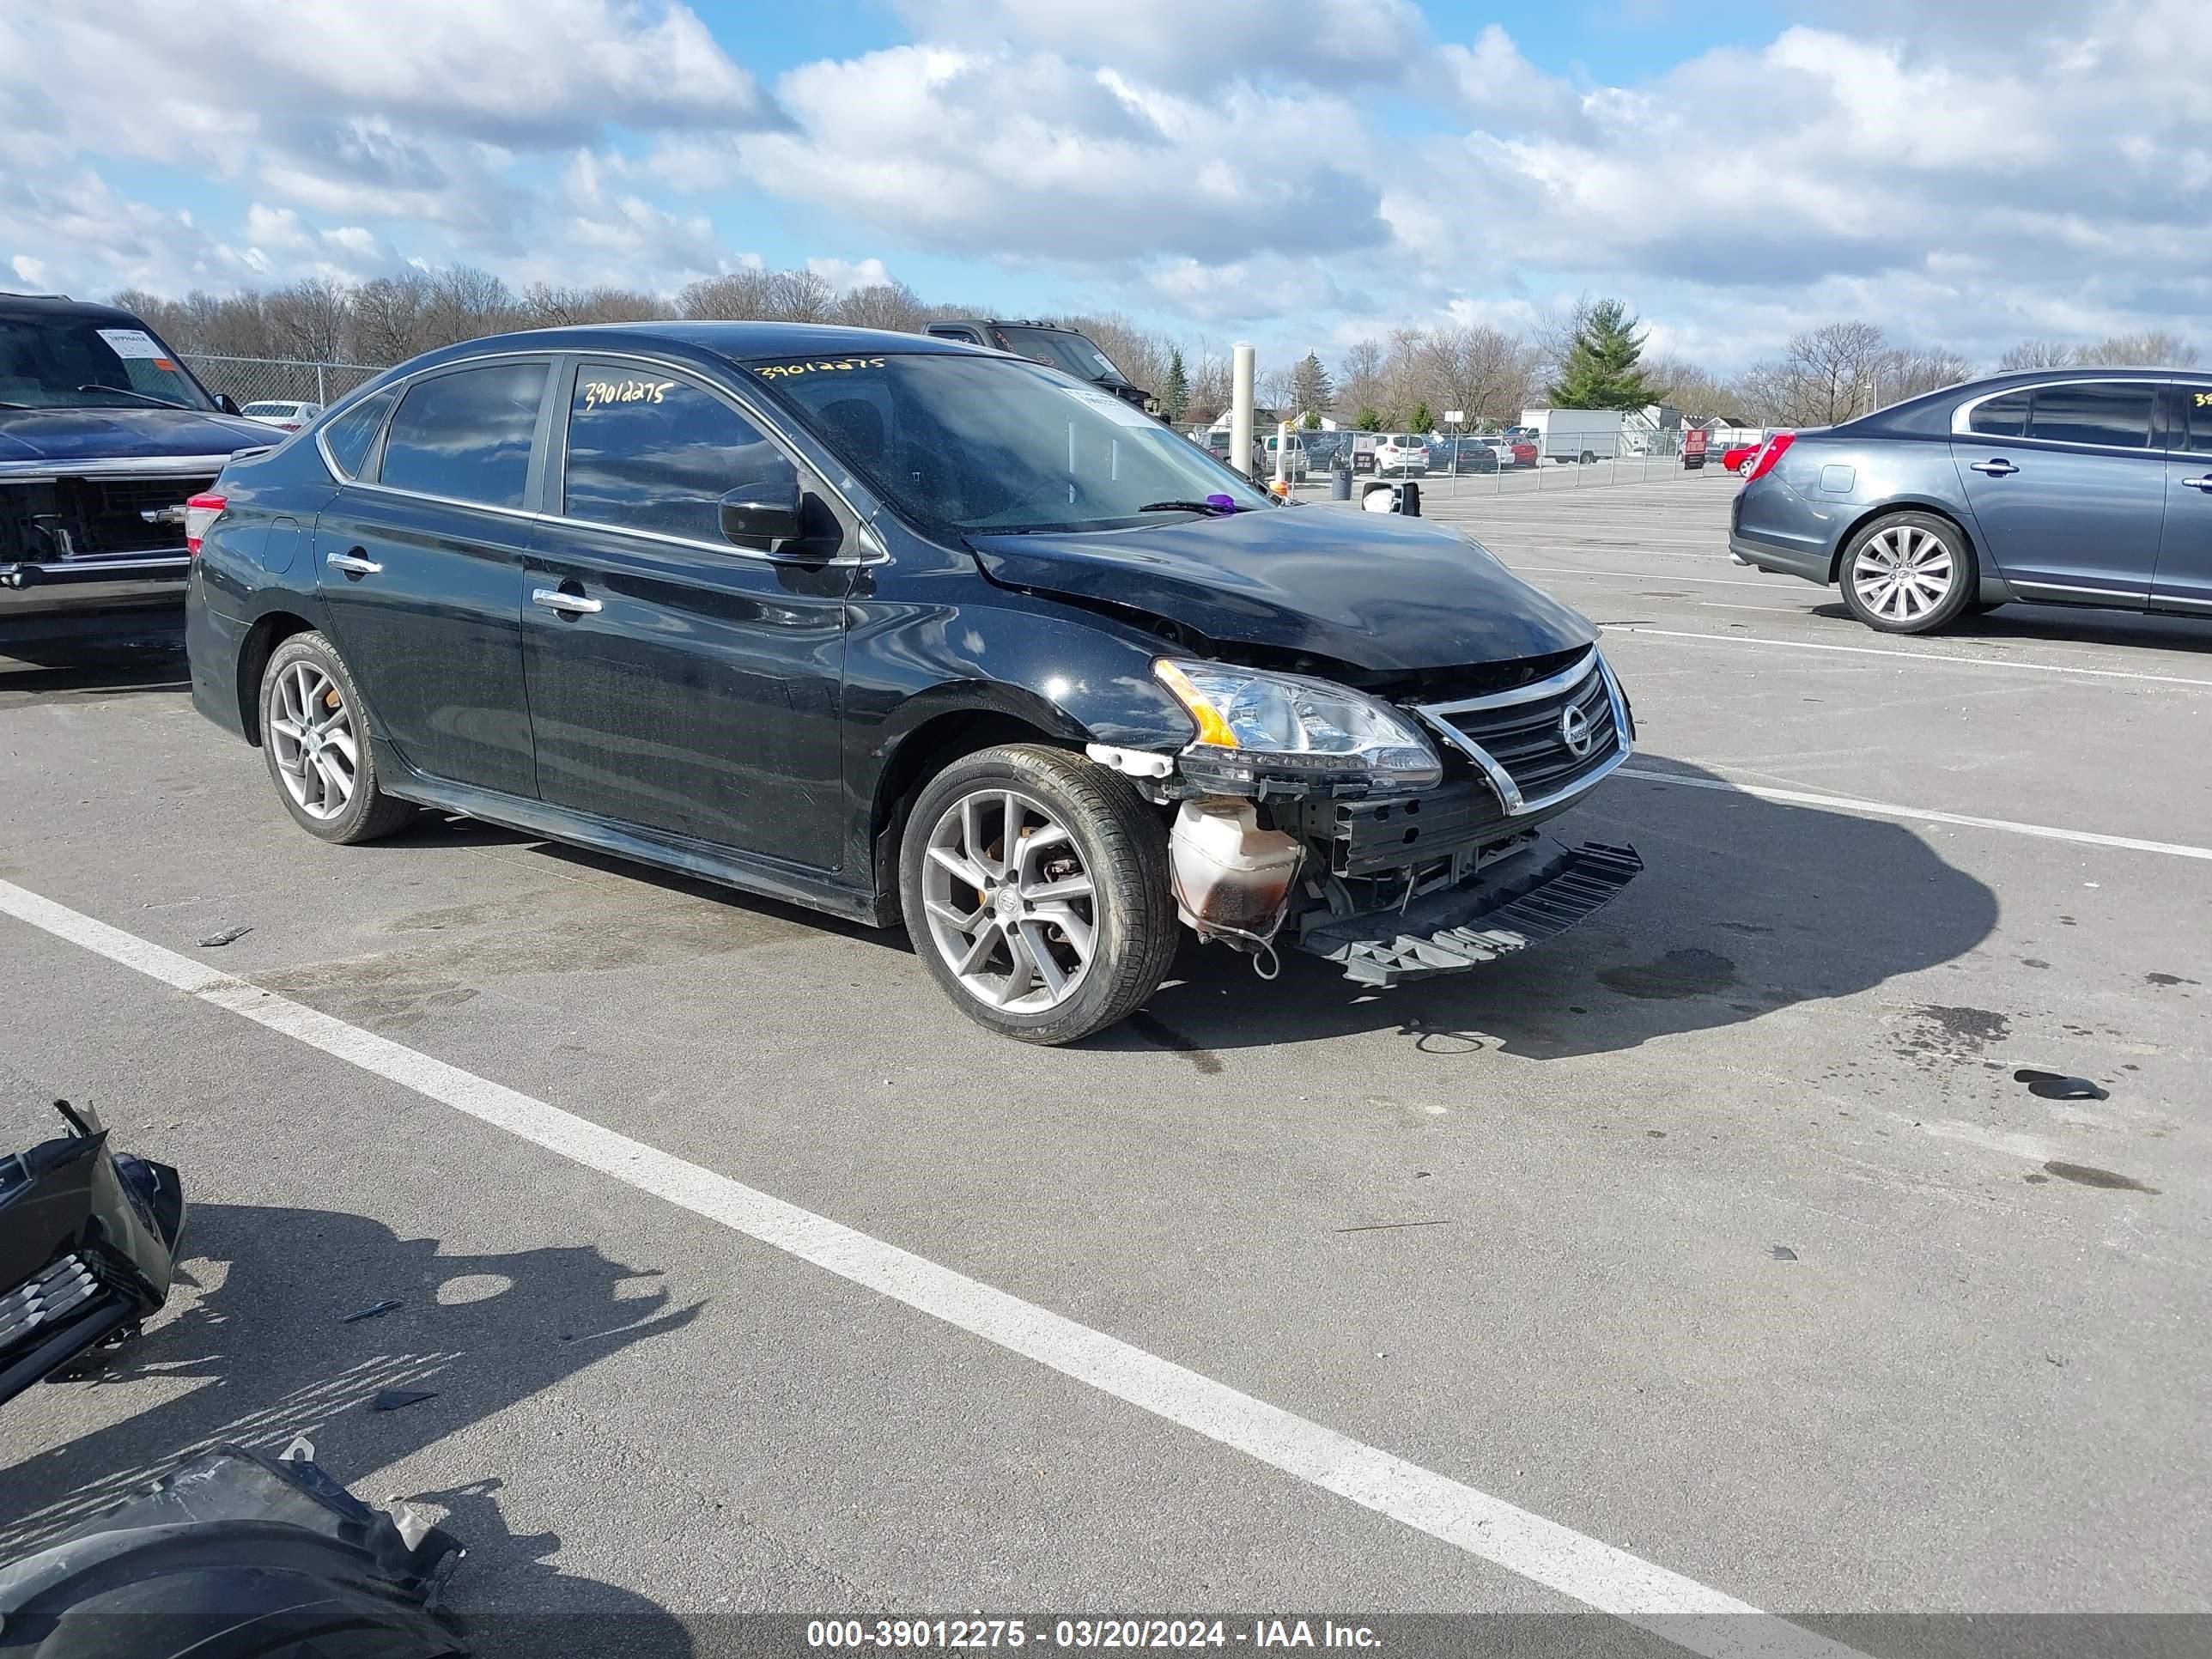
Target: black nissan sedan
(914,633)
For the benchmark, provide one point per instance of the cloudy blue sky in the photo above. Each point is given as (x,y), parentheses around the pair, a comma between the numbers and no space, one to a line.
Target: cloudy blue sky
(1302,172)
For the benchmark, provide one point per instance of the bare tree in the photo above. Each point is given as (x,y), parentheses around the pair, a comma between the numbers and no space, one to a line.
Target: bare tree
(1556,333)
(544,306)
(883,304)
(387,318)
(461,302)
(1825,375)
(2037,354)
(1901,373)
(1359,378)
(1691,388)
(1485,372)
(308,320)
(165,317)
(1210,386)
(2155,348)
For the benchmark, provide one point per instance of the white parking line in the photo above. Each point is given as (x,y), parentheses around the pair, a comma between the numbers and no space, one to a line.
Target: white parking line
(1910,656)
(1679,1609)
(1880,809)
(1649,576)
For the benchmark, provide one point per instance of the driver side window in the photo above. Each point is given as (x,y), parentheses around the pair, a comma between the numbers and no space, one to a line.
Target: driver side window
(648,451)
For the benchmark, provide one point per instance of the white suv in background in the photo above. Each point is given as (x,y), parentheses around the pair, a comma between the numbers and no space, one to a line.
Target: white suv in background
(1403,452)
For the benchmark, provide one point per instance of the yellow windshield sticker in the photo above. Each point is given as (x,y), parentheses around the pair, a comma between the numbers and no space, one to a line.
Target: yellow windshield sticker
(2204,400)
(599,393)
(784,371)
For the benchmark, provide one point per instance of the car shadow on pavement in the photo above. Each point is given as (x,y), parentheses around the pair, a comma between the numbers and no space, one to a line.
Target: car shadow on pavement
(147,657)
(1746,906)
(255,1347)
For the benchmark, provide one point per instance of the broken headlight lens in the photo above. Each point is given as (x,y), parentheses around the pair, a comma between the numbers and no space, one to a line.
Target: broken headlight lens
(1260,733)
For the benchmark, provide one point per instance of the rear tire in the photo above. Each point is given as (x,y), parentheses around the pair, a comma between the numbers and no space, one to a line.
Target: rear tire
(315,739)
(1907,572)
(1011,940)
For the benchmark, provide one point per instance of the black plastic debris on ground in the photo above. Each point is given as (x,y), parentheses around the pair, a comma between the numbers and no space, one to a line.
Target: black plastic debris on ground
(374,1311)
(226,936)
(1781,1253)
(392,1400)
(2056,1086)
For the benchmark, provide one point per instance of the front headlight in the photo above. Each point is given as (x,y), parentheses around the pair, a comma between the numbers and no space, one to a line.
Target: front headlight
(1258,732)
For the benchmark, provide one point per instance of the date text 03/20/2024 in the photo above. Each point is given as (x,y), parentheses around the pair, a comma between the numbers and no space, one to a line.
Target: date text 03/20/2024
(1086,1633)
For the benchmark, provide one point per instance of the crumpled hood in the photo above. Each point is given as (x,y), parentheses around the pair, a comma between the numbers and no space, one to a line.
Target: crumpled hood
(65,435)
(1379,591)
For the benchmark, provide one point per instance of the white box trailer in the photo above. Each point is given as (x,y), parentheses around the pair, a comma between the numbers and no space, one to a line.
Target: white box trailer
(1564,435)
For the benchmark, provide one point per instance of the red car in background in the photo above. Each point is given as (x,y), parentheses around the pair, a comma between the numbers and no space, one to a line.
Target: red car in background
(1739,458)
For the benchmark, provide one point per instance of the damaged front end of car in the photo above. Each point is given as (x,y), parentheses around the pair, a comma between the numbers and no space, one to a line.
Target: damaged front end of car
(1392,829)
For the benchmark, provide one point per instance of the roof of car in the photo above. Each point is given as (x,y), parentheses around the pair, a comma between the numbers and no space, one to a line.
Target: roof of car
(60,304)
(738,342)
(1928,413)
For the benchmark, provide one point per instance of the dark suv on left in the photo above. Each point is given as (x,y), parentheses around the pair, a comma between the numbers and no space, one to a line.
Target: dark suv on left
(105,438)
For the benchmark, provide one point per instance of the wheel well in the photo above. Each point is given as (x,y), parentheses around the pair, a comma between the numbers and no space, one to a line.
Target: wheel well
(921,756)
(261,642)
(1888,509)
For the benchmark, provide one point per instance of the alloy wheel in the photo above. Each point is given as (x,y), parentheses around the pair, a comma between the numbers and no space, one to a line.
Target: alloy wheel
(1903,573)
(311,733)
(1011,905)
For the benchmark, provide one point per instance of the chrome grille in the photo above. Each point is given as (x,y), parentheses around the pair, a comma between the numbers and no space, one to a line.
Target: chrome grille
(1520,739)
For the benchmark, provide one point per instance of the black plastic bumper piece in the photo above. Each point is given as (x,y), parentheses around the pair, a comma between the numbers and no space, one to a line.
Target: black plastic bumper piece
(1528,899)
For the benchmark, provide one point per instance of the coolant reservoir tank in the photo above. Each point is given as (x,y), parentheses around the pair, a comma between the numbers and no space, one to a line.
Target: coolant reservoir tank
(1229,873)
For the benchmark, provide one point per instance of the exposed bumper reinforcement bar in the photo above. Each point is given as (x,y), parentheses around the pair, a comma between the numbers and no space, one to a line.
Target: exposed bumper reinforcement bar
(1511,906)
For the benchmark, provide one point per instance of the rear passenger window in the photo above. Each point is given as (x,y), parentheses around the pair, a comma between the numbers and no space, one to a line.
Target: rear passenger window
(2002,418)
(467,435)
(648,451)
(347,438)
(2196,418)
(2112,413)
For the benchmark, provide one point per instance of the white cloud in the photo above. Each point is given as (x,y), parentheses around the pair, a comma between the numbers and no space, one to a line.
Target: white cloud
(844,276)
(1028,156)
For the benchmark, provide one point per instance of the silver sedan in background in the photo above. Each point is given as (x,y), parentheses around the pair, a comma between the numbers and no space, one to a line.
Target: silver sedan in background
(2085,486)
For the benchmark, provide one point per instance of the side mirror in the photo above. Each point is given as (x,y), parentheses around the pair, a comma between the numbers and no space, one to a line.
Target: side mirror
(764,515)
(227,404)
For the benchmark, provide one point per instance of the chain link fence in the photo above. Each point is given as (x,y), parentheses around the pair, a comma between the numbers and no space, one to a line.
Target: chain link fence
(262,379)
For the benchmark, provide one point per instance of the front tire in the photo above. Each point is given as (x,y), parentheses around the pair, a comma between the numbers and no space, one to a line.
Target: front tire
(314,737)
(1034,887)
(1907,572)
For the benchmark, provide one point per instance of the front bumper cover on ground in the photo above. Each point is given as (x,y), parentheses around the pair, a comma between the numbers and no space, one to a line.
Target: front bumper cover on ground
(1526,899)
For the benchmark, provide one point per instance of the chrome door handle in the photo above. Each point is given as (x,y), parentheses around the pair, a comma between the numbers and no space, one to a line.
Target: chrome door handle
(354,566)
(1997,468)
(573,604)
(2204,483)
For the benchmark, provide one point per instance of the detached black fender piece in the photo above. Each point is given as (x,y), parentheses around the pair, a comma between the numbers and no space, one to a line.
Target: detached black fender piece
(87,1246)
(230,1555)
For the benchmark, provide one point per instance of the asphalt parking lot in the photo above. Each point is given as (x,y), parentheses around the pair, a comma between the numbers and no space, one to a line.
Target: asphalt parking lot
(1711,1251)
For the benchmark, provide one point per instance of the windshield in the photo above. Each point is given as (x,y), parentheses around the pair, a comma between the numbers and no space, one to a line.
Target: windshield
(987,444)
(76,362)
(1072,352)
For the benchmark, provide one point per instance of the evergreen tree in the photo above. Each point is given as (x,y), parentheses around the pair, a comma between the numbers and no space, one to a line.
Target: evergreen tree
(1310,386)
(1313,420)
(1419,420)
(1600,369)
(1371,419)
(1175,389)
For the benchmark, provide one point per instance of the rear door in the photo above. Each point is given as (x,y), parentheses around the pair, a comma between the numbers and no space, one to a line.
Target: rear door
(419,563)
(678,683)
(2066,491)
(2184,550)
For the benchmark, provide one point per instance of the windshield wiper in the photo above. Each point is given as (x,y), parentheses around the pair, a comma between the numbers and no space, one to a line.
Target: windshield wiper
(1215,505)
(126,391)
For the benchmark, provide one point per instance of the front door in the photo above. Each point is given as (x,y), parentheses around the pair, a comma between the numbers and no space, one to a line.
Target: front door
(419,564)
(677,682)
(2067,493)
(2184,549)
